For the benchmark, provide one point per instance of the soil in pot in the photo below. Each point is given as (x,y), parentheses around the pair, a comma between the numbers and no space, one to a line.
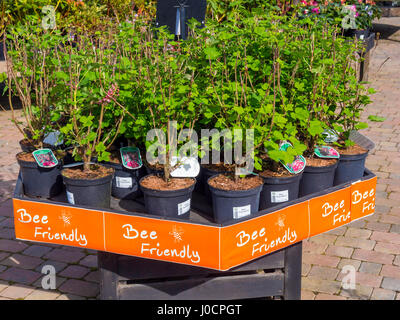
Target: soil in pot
(279,186)
(167,198)
(351,164)
(209,170)
(38,181)
(89,188)
(125,183)
(234,199)
(317,176)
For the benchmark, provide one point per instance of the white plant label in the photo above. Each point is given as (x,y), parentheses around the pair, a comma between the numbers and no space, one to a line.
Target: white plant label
(70,197)
(240,212)
(279,196)
(124,182)
(184,207)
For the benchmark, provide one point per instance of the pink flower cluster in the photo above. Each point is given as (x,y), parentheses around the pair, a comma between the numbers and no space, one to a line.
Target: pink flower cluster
(111,93)
(311,3)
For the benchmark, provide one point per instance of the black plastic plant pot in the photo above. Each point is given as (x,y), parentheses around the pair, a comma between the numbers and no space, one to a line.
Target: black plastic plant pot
(40,182)
(230,205)
(168,203)
(278,190)
(315,179)
(350,168)
(206,174)
(93,193)
(125,183)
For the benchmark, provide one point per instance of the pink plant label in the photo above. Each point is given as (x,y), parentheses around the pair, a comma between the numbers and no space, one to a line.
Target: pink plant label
(131,158)
(297,165)
(45,158)
(326,152)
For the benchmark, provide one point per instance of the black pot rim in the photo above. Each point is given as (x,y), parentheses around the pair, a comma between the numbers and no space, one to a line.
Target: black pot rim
(166,193)
(313,169)
(87,182)
(282,180)
(233,193)
(355,157)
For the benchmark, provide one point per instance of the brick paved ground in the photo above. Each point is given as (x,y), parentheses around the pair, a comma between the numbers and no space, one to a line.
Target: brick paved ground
(371,245)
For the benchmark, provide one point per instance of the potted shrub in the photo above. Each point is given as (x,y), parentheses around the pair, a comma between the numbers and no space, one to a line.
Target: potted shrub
(170,98)
(237,107)
(88,101)
(30,69)
(314,94)
(352,97)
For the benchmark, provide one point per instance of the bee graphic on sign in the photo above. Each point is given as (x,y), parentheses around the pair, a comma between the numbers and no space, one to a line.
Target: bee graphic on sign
(177,233)
(281,221)
(66,218)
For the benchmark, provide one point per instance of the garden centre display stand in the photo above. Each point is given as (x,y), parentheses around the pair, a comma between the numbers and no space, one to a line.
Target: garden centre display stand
(149,257)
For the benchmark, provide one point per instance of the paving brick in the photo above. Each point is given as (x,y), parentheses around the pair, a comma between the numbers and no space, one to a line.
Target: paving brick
(337,251)
(321,260)
(378,226)
(364,279)
(305,269)
(349,262)
(390,271)
(59,266)
(17,291)
(37,250)
(80,288)
(93,276)
(64,255)
(40,294)
(360,292)
(370,267)
(324,296)
(323,272)
(12,245)
(21,261)
(373,256)
(76,272)
(387,247)
(391,284)
(386,237)
(320,285)
(70,297)
(324,238)
(388,218)
(91,261)
(19,275)
(382,294)
(307,295)
(355,243)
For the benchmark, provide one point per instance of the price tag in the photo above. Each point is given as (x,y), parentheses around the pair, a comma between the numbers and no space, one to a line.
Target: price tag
(326,152)
(297,165)
(131,158)
(45,158)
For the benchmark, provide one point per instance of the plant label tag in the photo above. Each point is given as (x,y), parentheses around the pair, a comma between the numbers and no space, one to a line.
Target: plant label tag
(183,207)
(124,182)
(45,158)
(53,138)
(330,136)
(279,196)
(70,197)
(326,152)
(240,212)
(189,167)
(298,164)
(131,158)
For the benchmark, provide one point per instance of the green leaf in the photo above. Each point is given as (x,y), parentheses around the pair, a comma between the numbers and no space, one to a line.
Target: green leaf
(376,118)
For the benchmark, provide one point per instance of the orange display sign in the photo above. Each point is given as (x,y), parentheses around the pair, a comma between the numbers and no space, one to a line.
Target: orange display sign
(214,247)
